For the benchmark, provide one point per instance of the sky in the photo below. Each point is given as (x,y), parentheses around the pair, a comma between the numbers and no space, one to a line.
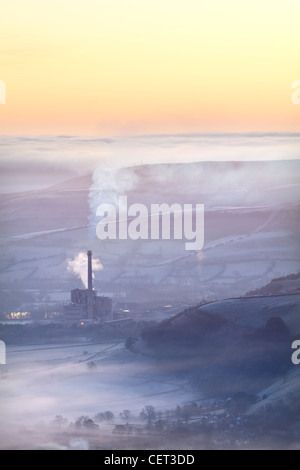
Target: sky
(138,67)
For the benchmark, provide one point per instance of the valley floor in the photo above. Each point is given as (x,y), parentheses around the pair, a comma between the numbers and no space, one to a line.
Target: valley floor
(56,397)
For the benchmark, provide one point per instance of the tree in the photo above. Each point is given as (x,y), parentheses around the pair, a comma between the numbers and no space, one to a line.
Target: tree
(125,414)
(59,421)
(91,365)
(148,413)
(106,416)
(85,422)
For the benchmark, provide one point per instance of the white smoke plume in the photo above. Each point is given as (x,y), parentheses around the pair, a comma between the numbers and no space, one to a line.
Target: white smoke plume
(79,266)
(216,170)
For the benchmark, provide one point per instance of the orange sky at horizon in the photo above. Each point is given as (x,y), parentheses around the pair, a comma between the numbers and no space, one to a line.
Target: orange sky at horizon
(138,67)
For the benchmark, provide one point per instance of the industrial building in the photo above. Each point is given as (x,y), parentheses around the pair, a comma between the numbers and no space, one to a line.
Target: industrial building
(86,304)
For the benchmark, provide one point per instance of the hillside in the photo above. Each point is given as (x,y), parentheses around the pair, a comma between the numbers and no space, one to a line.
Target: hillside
(228,346)
(251,233)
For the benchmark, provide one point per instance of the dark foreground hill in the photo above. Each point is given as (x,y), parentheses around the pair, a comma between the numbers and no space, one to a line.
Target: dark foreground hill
(220,356)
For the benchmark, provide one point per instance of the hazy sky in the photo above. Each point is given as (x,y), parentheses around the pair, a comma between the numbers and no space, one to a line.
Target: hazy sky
(119,67)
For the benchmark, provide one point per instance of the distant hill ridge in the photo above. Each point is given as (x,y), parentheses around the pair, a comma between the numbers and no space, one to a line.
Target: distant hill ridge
(284,284)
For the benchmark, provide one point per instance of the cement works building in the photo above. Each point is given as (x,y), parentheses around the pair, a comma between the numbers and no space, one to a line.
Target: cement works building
(86,304)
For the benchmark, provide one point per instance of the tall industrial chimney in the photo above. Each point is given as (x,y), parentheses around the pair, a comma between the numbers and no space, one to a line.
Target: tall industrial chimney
(90,271)
(90,287)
